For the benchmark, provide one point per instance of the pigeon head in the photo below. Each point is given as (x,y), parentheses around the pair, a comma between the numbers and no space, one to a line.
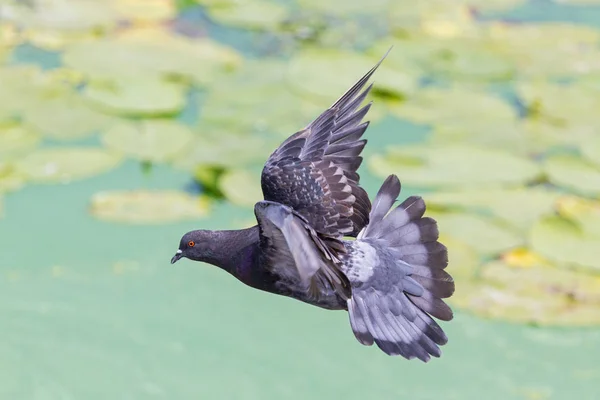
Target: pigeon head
(193,245)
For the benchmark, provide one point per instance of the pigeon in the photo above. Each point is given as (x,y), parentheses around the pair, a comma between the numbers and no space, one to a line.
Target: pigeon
(319,240)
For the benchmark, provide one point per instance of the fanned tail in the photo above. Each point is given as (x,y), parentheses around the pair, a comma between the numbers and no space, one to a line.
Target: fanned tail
(395,305)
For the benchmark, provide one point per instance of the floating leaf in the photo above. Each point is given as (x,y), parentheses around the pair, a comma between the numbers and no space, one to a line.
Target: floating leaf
(148,207)
(144,11)
(10,178)
(256,99)
(60,15)
(437,105)
(153,140)
(237,151)
(53,165)
(573,174)
(482,234)
(253,14)
(492,5)
(439,19)
(53,24)
(463,260)
(327,73)
(24,86)
(519,207)
(137,97)
(15,140)
(541,295)
(530,137)
(456,59)
(584,212)
(66,117)
(524,258)
(560,104)
(342,8)
(590,148)
(564,241)
(548,49)
(9,37)
(152,55)
(454,166)
(241,187)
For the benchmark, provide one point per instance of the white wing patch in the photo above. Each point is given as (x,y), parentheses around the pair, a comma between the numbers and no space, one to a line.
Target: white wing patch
(362,263)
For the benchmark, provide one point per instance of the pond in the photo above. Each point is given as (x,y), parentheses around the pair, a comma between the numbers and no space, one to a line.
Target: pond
(124,124)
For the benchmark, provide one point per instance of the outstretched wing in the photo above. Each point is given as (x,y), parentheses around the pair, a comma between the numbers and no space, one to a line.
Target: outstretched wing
(314,170)
(296,254)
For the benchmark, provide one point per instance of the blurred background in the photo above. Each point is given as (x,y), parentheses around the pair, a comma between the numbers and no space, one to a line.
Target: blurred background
(125,123)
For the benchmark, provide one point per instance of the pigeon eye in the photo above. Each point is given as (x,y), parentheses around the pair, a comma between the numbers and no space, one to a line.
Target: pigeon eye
(191,243)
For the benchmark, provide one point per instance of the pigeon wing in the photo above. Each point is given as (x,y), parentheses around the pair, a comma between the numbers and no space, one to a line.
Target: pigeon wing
(296,254)
(314,170)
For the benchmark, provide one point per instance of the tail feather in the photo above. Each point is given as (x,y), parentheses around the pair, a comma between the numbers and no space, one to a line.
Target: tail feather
(393,307)
(387,194)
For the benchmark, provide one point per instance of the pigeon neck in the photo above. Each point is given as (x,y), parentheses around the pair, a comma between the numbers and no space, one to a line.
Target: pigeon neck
(233,250)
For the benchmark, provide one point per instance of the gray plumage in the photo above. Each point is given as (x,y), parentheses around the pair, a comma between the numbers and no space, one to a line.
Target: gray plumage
(314,170)
(391,279)
(400,279)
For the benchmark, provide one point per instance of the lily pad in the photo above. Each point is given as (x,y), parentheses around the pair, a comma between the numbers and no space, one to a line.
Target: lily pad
(10,178)
(15,140)
(584,212)
(9,37)
(573,174)
(492,5)
(547,49)
(237,151)
(560,104)
(62,165)
(484,235)
(438,18)
(565,242)
(541,295)
(137,97)
(519,207)
(153,55)
(454,166)
(24,86)
(148,207)
(455,59)
(328,73)
(439,105)
(525,138)
(61,15)
(342,8)
(463,260)
(152,140)
(241,187)
(250,101)
(253,14)
(590,148)
(65,118)
(550,35)
(144,11)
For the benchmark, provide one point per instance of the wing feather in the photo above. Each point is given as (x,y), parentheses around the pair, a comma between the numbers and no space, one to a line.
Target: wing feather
(322,160)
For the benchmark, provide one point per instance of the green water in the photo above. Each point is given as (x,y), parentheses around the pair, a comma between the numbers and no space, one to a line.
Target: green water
(93,310)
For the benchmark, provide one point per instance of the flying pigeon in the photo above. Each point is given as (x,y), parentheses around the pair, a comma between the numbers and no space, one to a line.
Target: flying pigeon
(318,238)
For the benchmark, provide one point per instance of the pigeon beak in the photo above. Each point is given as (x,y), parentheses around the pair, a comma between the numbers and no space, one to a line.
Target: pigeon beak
(176,257)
